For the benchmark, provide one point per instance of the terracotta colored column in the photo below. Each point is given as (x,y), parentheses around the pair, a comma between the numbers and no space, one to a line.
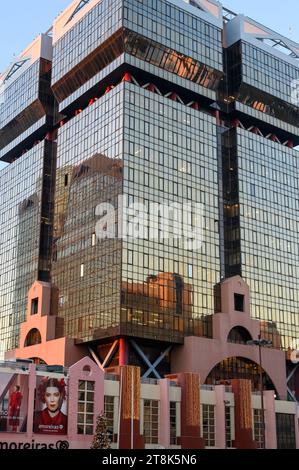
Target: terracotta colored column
(270,420)
(190,411)
(164,428)
(123,352)
(129,436)
(243,415)
(220,416)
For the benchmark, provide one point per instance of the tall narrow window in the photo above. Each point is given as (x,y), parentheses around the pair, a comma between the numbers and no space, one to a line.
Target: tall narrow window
(82,270)
(109,414)
(208,425)
(34,306)
(151,421)
(258,428)
(85,407)
(239,302)
(173,423)
(130,256)
(228,427)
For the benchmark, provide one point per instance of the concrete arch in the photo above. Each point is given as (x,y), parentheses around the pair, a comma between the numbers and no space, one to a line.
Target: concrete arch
(244,358)
(33,337)
(39,359)
(242,330)
(201,355)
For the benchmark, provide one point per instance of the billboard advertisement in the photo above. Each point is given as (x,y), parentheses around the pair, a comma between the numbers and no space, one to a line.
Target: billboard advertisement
(13,402)
(50,415)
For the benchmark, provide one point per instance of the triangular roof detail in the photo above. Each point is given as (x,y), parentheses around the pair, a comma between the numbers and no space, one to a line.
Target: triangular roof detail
(14,68)
(79,7)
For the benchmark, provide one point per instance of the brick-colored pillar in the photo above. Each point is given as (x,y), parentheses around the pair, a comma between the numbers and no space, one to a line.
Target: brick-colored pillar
(243,415)
(129,436)
(190,411)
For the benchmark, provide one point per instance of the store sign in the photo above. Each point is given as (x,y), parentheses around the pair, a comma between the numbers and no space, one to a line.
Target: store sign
(60,445)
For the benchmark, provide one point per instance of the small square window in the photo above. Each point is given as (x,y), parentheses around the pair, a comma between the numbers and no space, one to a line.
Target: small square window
(34,306)
(239,302)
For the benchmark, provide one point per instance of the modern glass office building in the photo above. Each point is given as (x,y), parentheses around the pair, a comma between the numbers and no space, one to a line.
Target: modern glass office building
(146,103)
(27,183)
(261,174)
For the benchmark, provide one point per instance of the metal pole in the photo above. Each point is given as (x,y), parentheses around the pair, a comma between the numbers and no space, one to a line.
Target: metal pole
(119,405)
(262,395)
(132,417)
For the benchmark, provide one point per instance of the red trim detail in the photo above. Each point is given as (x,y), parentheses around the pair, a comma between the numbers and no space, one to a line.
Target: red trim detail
(236,123)
(195,105)
(151,87)
(127,77)
(173,96)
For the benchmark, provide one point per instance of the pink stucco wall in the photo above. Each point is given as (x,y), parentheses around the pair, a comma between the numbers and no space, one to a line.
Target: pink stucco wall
(85,369)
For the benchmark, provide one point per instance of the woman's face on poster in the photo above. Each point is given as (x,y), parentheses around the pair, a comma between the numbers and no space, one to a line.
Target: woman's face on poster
(52,398)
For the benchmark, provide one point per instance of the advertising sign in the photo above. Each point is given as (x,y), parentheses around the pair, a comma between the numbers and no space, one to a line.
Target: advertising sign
(13,402)
(50,416)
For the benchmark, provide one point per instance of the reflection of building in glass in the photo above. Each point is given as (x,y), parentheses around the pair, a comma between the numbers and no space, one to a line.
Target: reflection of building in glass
(86,269)
(161,307)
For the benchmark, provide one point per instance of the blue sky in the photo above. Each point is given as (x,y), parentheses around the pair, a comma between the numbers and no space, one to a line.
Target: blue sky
(22,20)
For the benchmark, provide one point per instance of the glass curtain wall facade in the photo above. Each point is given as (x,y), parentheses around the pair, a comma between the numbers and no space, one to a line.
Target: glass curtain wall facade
(262,81)
(169,158)
(136,85)
(26,184)
(148,148)
(260,176)
(89,173)
(20,208)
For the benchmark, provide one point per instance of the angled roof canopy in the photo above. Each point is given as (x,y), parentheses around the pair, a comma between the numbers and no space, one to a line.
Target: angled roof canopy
(14,68)
(280,45)
(79,7)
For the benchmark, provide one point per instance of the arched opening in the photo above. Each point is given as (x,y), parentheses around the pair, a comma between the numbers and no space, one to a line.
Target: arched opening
(239,335)
(239,368)
(33,338)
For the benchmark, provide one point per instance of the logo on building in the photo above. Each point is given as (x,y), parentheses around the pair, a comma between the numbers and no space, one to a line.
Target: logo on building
(33,445)
(182,222)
